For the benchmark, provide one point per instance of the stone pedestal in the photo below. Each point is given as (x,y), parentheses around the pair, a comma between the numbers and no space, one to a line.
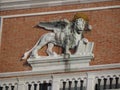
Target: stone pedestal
(59,63)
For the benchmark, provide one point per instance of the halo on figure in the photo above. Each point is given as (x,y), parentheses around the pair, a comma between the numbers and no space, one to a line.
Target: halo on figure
(80,15)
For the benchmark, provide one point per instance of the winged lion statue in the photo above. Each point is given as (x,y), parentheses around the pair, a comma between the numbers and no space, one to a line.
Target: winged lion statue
(66,34)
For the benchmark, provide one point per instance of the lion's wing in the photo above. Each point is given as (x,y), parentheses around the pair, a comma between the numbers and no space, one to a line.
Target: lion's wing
(54,25)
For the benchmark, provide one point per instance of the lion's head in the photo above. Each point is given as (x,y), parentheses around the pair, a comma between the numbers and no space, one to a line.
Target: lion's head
(81,22)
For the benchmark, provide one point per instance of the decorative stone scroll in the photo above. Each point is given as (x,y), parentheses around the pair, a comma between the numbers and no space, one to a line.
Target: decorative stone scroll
(68,35)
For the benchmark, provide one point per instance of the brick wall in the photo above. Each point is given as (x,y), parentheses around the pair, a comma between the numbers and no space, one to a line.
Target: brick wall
(20,35)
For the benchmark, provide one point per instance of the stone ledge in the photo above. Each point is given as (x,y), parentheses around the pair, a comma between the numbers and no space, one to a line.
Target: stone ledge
(96,69)
(57,64)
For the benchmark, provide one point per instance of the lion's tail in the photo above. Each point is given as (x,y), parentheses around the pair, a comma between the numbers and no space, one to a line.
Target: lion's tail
(26,54)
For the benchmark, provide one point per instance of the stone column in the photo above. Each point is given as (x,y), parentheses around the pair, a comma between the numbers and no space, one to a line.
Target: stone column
(21,85)
(55,83)
(90,81)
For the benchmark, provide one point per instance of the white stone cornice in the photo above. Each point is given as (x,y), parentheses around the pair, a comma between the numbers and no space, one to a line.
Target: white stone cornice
(94,67)
(22,4)
(63,11)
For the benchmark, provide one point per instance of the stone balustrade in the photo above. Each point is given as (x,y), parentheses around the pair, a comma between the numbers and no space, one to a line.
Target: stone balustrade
(94,80)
